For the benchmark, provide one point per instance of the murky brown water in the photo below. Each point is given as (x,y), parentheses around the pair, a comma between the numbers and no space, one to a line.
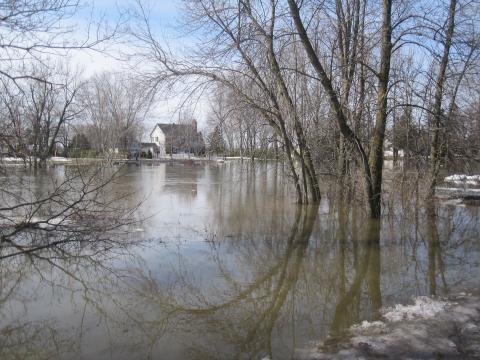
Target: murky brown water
(230,268)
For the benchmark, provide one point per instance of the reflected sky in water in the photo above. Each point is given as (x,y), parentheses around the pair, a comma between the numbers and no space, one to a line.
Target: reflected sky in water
(229,267)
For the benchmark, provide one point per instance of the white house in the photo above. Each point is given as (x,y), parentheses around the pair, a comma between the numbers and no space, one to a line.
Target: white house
(157,137)
(177,139)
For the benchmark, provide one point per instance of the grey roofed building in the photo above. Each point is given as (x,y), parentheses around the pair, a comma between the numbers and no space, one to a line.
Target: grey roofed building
(178,138)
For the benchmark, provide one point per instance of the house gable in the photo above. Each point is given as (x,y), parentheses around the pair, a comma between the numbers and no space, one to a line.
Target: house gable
(157,136)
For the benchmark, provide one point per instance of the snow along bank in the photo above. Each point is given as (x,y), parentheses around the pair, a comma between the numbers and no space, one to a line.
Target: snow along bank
(463,179)
(428,329)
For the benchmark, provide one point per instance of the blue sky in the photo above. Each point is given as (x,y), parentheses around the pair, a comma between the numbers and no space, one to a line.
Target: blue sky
(165,18)
(162,9)
(165,13)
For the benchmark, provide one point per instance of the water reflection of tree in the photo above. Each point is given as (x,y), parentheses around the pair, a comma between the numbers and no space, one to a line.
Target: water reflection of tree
(183,181)
(336,276)
(243,315)
(366,271)
(65,212)
(448,230)
(435,259)
(247,316)
(60,231)
(273,288)
(252,202)
(27,339)
(282,275)
(25,331)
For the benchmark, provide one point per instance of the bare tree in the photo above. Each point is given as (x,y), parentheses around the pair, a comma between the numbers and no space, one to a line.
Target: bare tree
(243,128)
(242,56)
(63,212)
(35,29)
(115,107)
(71,214)
(372,160)
(458,57)
(296,66)
(38,112)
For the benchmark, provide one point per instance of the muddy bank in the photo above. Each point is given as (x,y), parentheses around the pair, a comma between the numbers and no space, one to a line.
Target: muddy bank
(441,328)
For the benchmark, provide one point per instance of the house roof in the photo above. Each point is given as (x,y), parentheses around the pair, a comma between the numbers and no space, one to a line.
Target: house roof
(169,129)
(181,136)
(172,128)
(177,130)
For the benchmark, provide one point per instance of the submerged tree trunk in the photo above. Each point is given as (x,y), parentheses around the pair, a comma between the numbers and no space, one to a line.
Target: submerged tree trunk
(373,163)
(437,136)
(310,180)
(308,169)
(376,148)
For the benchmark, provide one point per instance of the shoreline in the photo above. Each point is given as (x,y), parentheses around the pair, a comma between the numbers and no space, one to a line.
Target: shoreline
(73,161)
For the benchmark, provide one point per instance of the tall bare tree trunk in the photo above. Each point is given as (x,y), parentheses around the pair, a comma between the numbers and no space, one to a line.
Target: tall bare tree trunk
(437,136)
(376,147)
(348,30)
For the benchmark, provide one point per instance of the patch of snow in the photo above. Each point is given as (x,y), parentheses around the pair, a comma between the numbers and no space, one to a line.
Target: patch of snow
(390,153)
(422,330)
(53,159)
(366,325)
(236,158)
(454,202)
(12,159)
(455,189)
(424,308)
(59,159)
(463,179)
(470,327)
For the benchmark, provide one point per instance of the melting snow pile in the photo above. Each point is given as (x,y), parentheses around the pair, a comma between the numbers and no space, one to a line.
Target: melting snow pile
(367,325)
(428,329)
(463,179)
(424,308)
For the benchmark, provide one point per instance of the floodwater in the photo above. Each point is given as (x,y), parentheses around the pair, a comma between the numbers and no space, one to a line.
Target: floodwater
(225,265)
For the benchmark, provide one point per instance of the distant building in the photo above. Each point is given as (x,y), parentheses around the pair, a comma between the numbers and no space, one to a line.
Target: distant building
(144,150)
(177,139)
(149,150)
